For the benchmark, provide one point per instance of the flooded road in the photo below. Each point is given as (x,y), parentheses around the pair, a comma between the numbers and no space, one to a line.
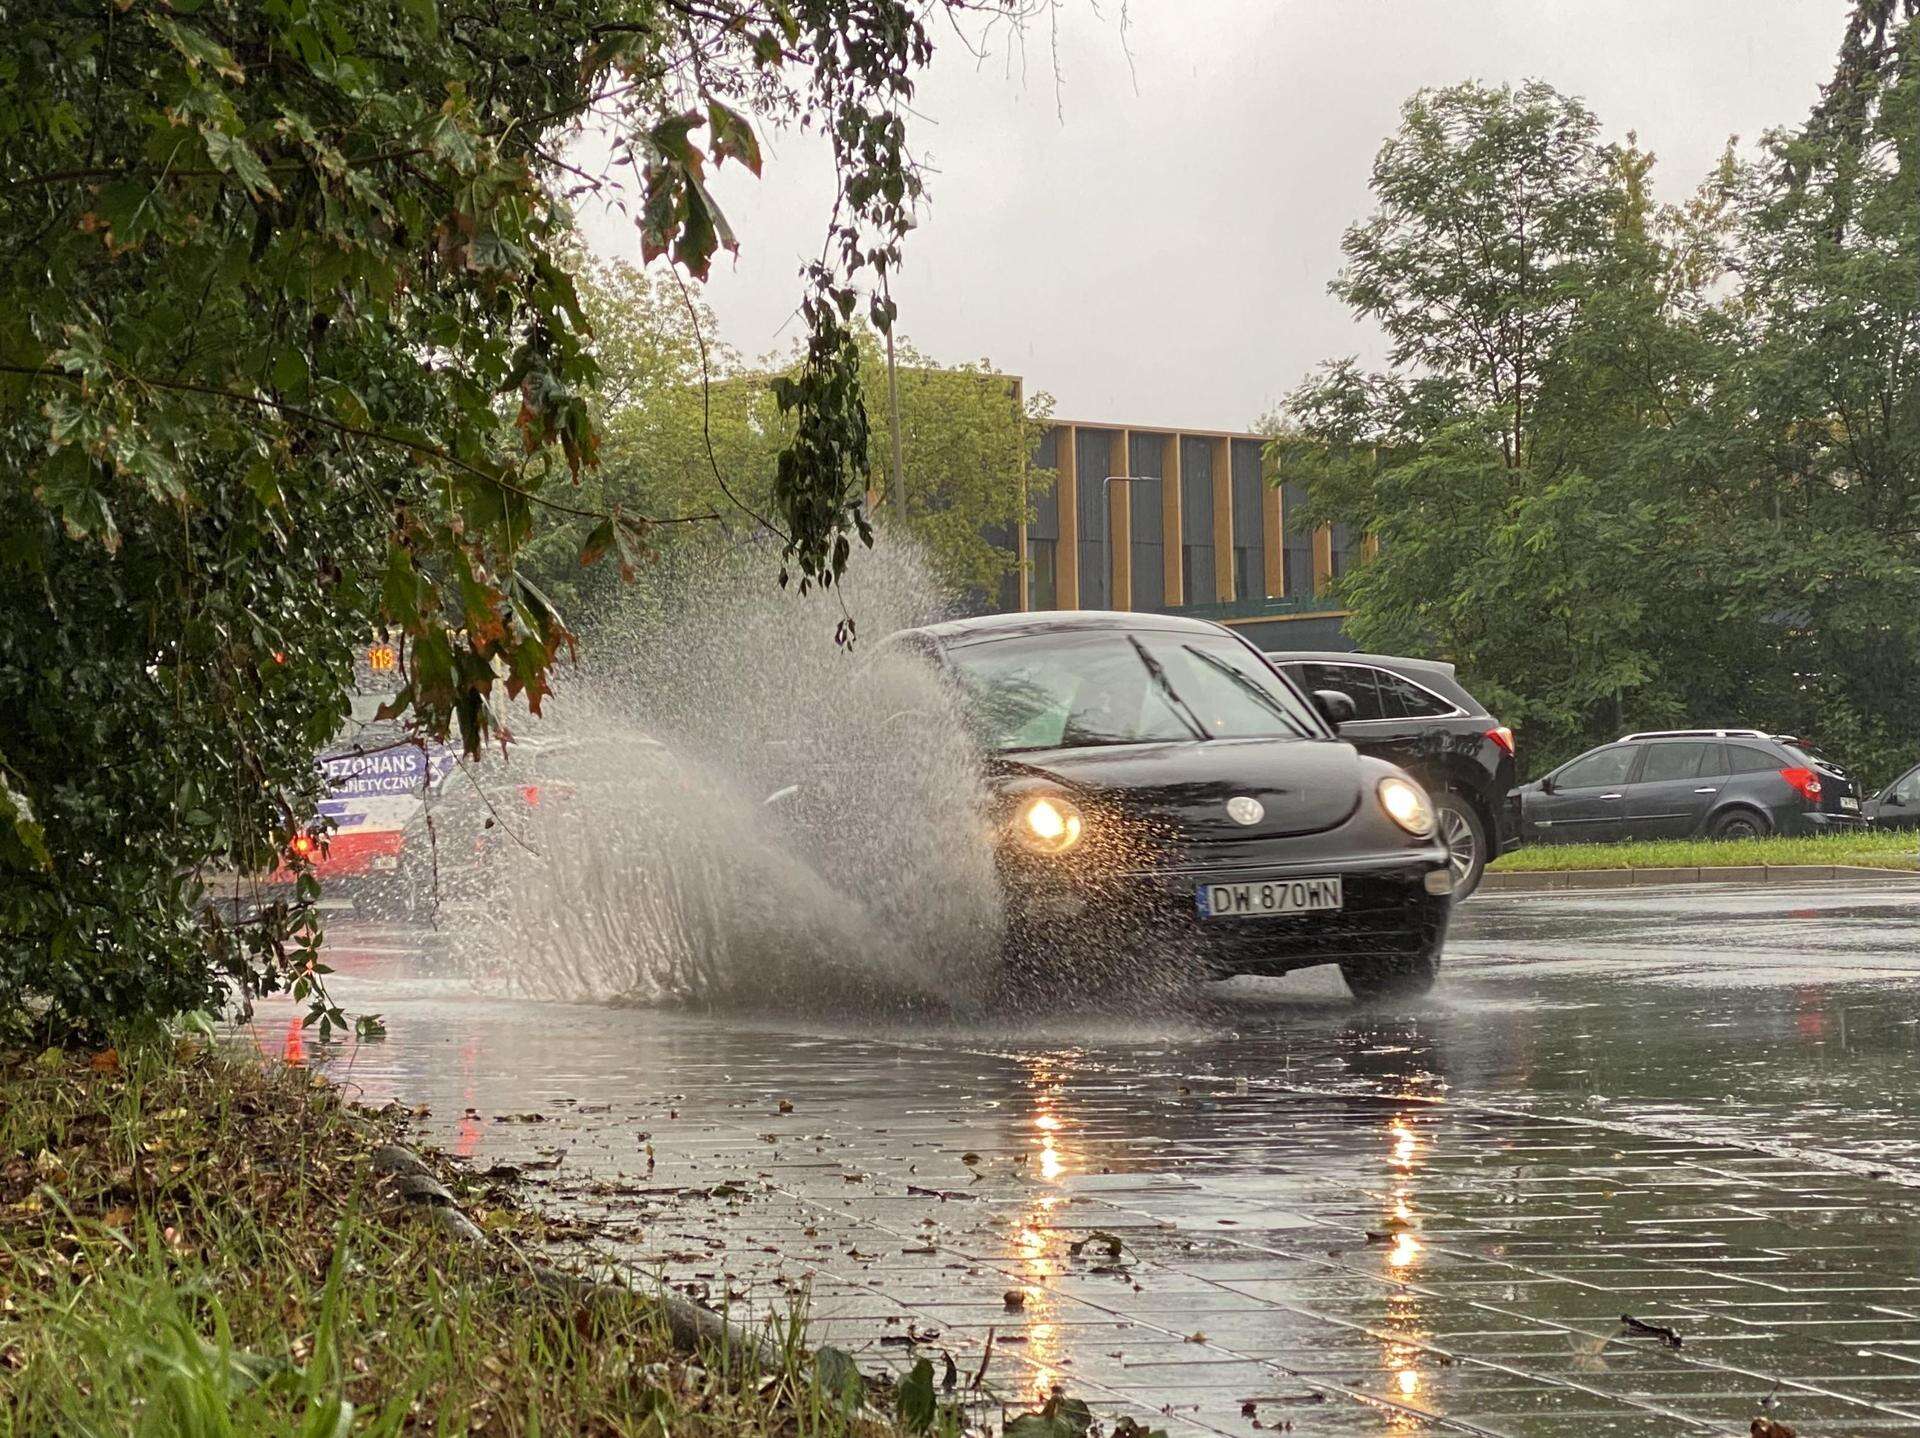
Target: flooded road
(1695,1108)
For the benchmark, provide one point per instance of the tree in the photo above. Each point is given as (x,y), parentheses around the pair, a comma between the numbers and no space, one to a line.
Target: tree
(690,426)
(967,440)
(1654,465)
(1828,311)
(1517,265)
(280,278)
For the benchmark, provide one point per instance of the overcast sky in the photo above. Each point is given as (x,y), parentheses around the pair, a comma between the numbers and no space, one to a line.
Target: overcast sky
(1150,241)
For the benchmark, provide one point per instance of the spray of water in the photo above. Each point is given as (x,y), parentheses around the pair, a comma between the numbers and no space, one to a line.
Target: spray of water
(728,806)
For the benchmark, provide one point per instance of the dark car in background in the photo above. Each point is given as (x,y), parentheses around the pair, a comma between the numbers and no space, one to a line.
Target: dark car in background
(1898,805)
(1154,779)
(1688,783)
(1414,713)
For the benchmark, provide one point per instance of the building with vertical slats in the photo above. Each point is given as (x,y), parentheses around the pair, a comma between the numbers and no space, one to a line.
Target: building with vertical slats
(1183,522)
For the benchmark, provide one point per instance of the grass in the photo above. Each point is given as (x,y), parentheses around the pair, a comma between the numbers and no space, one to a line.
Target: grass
(195,1244)
(1867,850)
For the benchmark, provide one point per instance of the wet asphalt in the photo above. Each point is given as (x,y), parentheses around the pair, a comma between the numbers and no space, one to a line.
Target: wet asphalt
(1696,1109)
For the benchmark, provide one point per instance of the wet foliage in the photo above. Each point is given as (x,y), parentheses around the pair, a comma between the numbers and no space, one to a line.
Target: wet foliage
(290,348)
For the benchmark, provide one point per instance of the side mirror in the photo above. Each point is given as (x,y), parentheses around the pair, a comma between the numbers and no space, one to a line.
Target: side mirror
(1335,706)
(1546,786)
(1893,800)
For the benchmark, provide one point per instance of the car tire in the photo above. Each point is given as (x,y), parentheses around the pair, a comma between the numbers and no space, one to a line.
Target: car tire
(1740,824)
(1464,834)
(1389,977)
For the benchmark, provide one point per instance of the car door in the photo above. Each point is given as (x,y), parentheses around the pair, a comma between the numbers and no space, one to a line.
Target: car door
(1410,730)
(1584,802)
(1898,806)
(1672,789)
(1392,717)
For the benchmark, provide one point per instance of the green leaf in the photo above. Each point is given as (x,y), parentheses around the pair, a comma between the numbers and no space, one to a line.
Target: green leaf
(68,485)
(733,137)
(598,543)
(671,139)
(427,12)
(1059,1417)
(450,137)
(23,842)
(290,369)
(703,229)
(232,154)
(838,1374)
(914,1399)
(198,47)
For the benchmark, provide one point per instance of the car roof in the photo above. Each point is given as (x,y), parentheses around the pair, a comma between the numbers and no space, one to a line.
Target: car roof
(1342,656)
(1706,734)
(957,632)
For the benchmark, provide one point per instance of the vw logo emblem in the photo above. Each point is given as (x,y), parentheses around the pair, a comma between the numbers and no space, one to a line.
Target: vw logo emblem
(1243,810)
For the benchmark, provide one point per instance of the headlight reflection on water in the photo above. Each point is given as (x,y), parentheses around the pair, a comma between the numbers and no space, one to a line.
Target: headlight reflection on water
(1404,1334)
(1038,1249)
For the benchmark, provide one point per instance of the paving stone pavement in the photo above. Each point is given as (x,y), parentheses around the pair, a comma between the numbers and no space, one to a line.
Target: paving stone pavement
(1385,1262)
(1315,1225)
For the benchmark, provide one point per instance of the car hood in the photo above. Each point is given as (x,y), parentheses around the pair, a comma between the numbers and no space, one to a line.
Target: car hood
(1304,786)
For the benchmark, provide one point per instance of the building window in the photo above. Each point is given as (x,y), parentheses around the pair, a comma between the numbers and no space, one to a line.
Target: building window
(1298,543)
(1196,520)
(1042,590)
(1249,572)
(1146,507)
(1196,574)
(1249,526)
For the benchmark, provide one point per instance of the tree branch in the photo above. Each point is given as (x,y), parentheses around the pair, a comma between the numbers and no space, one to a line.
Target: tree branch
(399,441)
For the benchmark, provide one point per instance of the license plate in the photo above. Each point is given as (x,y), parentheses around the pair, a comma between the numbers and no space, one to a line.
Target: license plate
(384,861)
(1270,898)
(1849,803)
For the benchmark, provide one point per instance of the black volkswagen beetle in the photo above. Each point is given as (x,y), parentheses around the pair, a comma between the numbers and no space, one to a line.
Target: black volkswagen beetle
(1156,780)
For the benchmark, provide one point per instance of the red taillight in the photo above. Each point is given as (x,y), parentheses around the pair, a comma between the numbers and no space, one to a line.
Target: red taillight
(1503,736)
(530,794)
(302,844)
(1806,781)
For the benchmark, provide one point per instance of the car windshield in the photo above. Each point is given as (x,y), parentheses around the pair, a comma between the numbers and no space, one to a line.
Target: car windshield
(1089,687)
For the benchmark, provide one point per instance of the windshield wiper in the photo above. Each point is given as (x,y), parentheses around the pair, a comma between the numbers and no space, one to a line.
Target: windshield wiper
(1168,692)
(1264,699)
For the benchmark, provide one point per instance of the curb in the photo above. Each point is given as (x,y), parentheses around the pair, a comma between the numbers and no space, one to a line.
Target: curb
(1787,876)
(411,1180)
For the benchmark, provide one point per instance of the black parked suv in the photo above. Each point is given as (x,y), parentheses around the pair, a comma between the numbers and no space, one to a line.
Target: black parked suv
(1680,783)
(1413,712)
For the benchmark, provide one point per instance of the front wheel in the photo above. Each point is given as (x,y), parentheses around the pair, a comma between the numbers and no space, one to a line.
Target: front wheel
(1465,838)
(1395,976)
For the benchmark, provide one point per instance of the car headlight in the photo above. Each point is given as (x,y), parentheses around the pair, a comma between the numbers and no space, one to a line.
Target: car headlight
(1406,805)
(1048,824)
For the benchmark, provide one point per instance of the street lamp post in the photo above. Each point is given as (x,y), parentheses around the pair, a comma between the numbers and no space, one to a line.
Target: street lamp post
(1106,526)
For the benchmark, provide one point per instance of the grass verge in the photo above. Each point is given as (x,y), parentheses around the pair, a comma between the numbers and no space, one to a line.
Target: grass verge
(1867,850)
(194,1244)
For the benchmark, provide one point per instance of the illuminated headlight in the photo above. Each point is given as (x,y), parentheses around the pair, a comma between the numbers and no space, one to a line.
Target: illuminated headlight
(1048,824)
(1406,805)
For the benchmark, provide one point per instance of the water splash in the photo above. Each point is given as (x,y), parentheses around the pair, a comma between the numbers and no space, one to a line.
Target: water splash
(650,866)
